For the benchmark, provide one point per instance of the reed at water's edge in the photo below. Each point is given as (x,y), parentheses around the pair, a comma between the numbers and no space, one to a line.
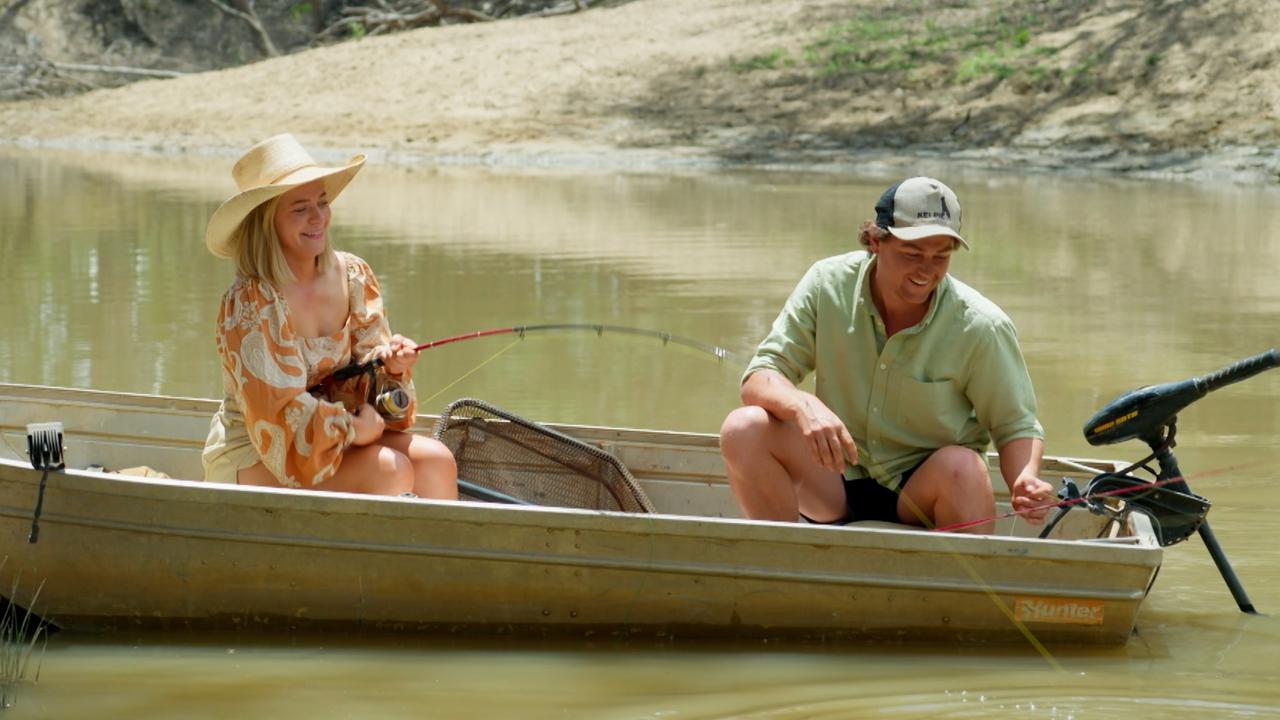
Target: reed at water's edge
(20,631)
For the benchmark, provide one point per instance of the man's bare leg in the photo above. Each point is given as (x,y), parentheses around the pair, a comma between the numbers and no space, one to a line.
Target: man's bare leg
(951,487)
(774,476)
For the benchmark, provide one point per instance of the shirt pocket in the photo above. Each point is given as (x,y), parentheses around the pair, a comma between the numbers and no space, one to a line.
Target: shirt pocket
(934,413)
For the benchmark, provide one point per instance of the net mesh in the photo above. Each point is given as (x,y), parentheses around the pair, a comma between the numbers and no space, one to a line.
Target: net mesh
(520,458)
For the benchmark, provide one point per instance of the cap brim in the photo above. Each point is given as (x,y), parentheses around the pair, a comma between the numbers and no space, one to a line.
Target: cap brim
(920,232)
(229,215)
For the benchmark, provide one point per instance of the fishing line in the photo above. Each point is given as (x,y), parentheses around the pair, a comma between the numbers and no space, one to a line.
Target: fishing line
(989,591)
(468,373)
(1108,493)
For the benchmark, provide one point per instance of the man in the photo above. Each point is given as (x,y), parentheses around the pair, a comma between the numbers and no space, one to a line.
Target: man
(916,374)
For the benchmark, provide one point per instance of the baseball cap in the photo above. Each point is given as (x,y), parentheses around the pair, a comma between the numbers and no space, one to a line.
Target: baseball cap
(920,207)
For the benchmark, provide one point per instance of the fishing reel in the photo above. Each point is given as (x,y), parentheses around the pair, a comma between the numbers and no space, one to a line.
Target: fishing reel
(391,404)
(391,401)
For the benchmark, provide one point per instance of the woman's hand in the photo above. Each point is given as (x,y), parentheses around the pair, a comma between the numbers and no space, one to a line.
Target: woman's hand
(369,425)
(400,355)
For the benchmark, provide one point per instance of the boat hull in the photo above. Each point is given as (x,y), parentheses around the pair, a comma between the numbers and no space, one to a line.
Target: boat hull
(118,551)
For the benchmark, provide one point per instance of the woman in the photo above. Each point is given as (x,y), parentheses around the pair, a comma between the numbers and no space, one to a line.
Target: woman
(297,311)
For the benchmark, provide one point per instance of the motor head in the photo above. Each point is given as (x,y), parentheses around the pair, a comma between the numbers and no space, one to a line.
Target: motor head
(1141,412)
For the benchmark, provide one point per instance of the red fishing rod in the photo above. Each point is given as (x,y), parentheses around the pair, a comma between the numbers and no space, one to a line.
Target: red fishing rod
(667,338)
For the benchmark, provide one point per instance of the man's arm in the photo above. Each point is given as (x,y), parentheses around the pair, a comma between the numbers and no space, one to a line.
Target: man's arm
(1020,467)
(824,433)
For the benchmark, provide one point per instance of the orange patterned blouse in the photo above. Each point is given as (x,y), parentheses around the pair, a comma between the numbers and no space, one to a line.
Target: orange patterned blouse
(267,414)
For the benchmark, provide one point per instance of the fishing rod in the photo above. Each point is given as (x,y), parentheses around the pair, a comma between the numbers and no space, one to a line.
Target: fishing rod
(667,338)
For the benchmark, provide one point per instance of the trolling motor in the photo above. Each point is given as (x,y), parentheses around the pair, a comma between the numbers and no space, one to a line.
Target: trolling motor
(1149,414)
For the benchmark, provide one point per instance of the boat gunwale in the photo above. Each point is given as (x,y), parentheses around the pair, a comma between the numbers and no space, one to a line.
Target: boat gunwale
(670,525)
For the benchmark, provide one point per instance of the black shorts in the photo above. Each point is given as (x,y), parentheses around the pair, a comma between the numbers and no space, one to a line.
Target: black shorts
(866,499)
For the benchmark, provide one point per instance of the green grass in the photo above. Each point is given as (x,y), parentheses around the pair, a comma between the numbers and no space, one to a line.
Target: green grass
(301,11)
(20,633)
(769,61)
(990,42)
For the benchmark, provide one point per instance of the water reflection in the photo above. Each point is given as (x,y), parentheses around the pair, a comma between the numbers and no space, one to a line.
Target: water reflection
(1113,284)
(328,677)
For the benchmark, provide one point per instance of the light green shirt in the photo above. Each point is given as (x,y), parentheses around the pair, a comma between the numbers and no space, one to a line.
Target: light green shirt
(955,378)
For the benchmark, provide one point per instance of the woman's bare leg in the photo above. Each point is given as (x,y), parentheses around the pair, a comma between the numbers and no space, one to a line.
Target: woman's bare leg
(434,469)
(374,469)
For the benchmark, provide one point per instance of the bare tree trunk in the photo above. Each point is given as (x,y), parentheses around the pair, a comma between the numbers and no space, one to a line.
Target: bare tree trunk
(11,10)
(247,14)
(386,18)
(473,15)
(117,70)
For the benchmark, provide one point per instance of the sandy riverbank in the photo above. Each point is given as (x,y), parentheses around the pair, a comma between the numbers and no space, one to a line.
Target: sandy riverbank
(1134,86)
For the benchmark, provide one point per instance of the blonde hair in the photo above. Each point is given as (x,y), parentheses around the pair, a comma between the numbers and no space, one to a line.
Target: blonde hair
(258,253)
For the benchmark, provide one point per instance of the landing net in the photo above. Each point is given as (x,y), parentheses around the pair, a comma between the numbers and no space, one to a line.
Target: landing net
(520,458)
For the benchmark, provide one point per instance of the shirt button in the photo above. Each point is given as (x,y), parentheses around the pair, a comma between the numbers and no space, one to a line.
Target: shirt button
(875,409)
(883,366)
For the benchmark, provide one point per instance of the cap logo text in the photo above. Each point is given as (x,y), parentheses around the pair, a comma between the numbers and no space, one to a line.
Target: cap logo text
(945,213)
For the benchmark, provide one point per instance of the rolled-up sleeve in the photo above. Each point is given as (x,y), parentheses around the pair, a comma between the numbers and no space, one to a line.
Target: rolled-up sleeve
(1000,389)
(790,347)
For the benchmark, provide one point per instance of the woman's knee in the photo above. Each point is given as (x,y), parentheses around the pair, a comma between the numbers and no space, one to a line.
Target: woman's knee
(431,451)
(437,470)
(396,467)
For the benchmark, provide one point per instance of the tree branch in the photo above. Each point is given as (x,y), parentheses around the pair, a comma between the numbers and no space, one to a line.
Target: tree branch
(248,15)
(117,70)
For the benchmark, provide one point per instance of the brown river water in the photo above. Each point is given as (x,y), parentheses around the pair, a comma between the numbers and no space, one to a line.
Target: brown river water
(105,284)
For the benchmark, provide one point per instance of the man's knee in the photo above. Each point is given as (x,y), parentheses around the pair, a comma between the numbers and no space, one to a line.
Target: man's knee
(965,469)
(742,430)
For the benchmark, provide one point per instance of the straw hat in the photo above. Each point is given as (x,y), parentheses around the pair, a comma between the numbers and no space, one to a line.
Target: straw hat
(269,169)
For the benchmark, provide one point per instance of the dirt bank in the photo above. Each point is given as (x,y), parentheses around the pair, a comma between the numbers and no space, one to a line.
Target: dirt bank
(1183,88)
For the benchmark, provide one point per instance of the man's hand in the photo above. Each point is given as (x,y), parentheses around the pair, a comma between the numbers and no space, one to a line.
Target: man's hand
(825,435)
(400,355)
(1032,498)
